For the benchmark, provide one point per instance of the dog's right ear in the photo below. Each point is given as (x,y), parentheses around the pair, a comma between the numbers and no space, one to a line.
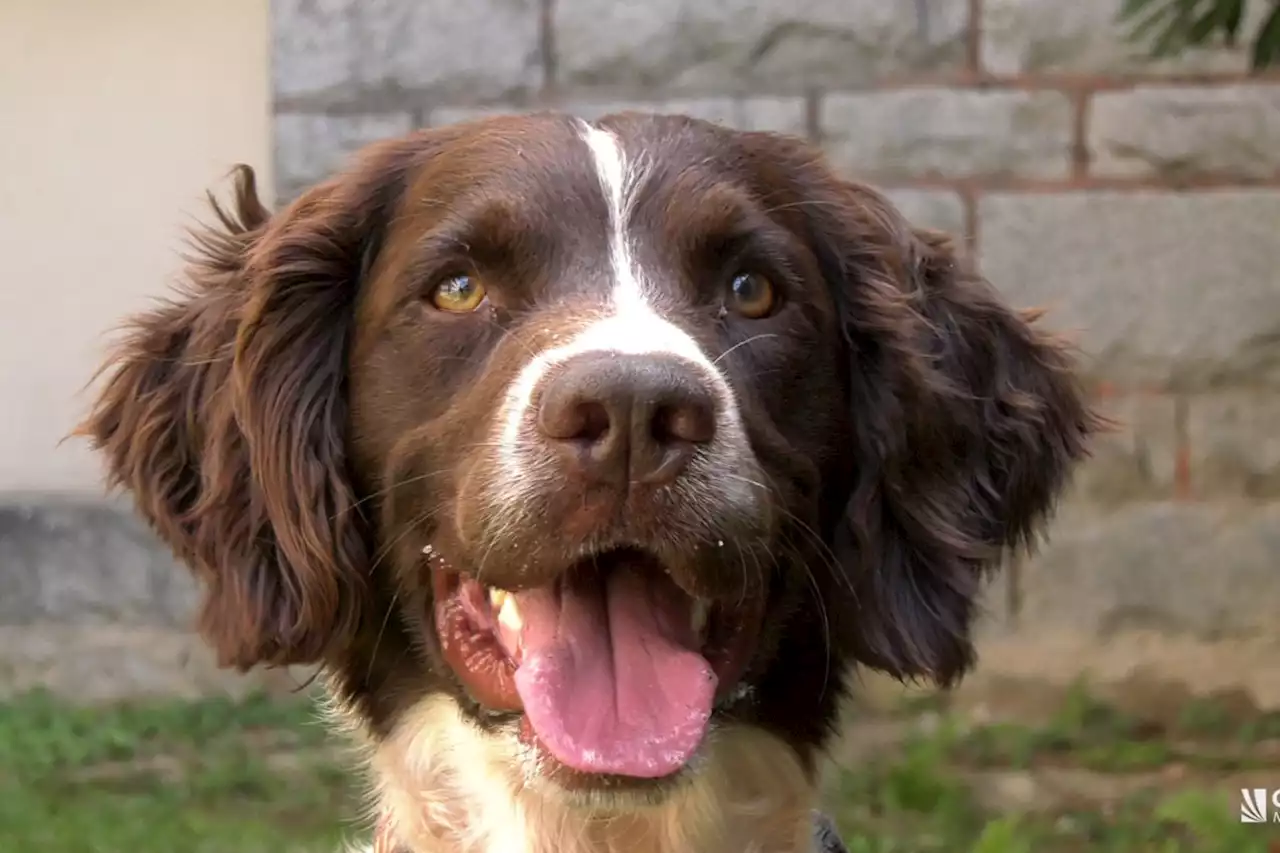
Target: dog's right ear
(224,414)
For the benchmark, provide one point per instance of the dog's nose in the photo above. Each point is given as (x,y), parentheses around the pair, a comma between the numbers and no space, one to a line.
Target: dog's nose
(627,418)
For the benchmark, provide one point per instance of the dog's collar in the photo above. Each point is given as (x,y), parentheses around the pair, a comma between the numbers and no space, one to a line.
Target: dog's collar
(825,837)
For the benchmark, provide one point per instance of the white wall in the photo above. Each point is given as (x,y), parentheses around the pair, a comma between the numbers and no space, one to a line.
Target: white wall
(115,116)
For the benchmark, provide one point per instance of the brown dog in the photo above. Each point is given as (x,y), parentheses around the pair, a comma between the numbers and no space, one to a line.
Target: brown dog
(586,458)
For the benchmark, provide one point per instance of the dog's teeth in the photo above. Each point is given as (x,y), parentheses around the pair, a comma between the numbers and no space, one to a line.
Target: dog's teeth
(508,615)
(496,598)
(698,617)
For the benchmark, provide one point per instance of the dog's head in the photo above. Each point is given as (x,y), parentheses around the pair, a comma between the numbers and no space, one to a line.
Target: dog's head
(606,431)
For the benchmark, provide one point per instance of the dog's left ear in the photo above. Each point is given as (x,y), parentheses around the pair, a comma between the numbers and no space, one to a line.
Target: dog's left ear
(967,419)
(224,412)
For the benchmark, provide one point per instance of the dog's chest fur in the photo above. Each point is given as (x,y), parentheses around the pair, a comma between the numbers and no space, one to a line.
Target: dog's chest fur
(444,787)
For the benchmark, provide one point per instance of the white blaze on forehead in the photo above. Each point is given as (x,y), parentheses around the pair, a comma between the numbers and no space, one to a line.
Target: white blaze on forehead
(630,324)
(618,183)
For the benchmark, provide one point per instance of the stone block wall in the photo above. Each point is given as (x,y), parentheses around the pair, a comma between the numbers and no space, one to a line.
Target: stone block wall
(1138,200)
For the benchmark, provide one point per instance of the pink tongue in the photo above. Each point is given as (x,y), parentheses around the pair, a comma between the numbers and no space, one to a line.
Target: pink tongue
(607,678)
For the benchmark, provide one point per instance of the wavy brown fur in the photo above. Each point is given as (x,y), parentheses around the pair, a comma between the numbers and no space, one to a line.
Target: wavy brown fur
(968,420)
(226,412)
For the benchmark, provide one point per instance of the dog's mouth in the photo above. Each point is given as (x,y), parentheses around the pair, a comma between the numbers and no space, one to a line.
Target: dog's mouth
(615,668)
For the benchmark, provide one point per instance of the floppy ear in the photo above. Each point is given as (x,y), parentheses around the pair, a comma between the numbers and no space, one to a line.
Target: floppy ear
(225,413)
(967,420)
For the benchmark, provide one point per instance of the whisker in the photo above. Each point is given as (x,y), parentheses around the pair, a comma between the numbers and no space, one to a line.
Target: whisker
(408,481)
(743,343)
(382,629)
(511,333)
(417,478)
(816,589)
(824,551)
(410,527)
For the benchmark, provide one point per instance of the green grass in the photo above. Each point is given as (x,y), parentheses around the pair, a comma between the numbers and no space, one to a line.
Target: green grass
(262,776)
(920,802)
(215,776)
(922,794)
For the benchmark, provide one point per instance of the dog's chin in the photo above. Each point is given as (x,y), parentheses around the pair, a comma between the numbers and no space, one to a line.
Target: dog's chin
(607,681)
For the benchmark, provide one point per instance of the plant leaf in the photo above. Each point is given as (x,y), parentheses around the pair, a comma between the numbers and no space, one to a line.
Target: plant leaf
(1232,15)
(1174,38)
(1156,15)
(1131,8)
(1266,48)
(1210,21)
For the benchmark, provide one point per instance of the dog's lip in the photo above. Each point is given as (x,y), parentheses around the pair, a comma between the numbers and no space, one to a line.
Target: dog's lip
(482,666)
(476,658)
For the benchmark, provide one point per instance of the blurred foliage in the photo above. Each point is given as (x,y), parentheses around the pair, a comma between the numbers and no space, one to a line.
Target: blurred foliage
(1169,27)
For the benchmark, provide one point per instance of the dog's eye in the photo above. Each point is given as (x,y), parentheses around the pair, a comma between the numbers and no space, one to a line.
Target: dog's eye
(458,294)
(752,295)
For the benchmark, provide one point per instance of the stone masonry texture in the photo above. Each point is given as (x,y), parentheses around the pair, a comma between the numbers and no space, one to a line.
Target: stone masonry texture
(1138,460)
(1234,442)
(1205,569)
(60,558)
(1184,131)
(1166,289)
(309,145)
(683,45)
(383,51)
(944,133)
(1137,200)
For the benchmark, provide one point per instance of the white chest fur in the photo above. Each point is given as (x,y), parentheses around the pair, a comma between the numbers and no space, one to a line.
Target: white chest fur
(448,787)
